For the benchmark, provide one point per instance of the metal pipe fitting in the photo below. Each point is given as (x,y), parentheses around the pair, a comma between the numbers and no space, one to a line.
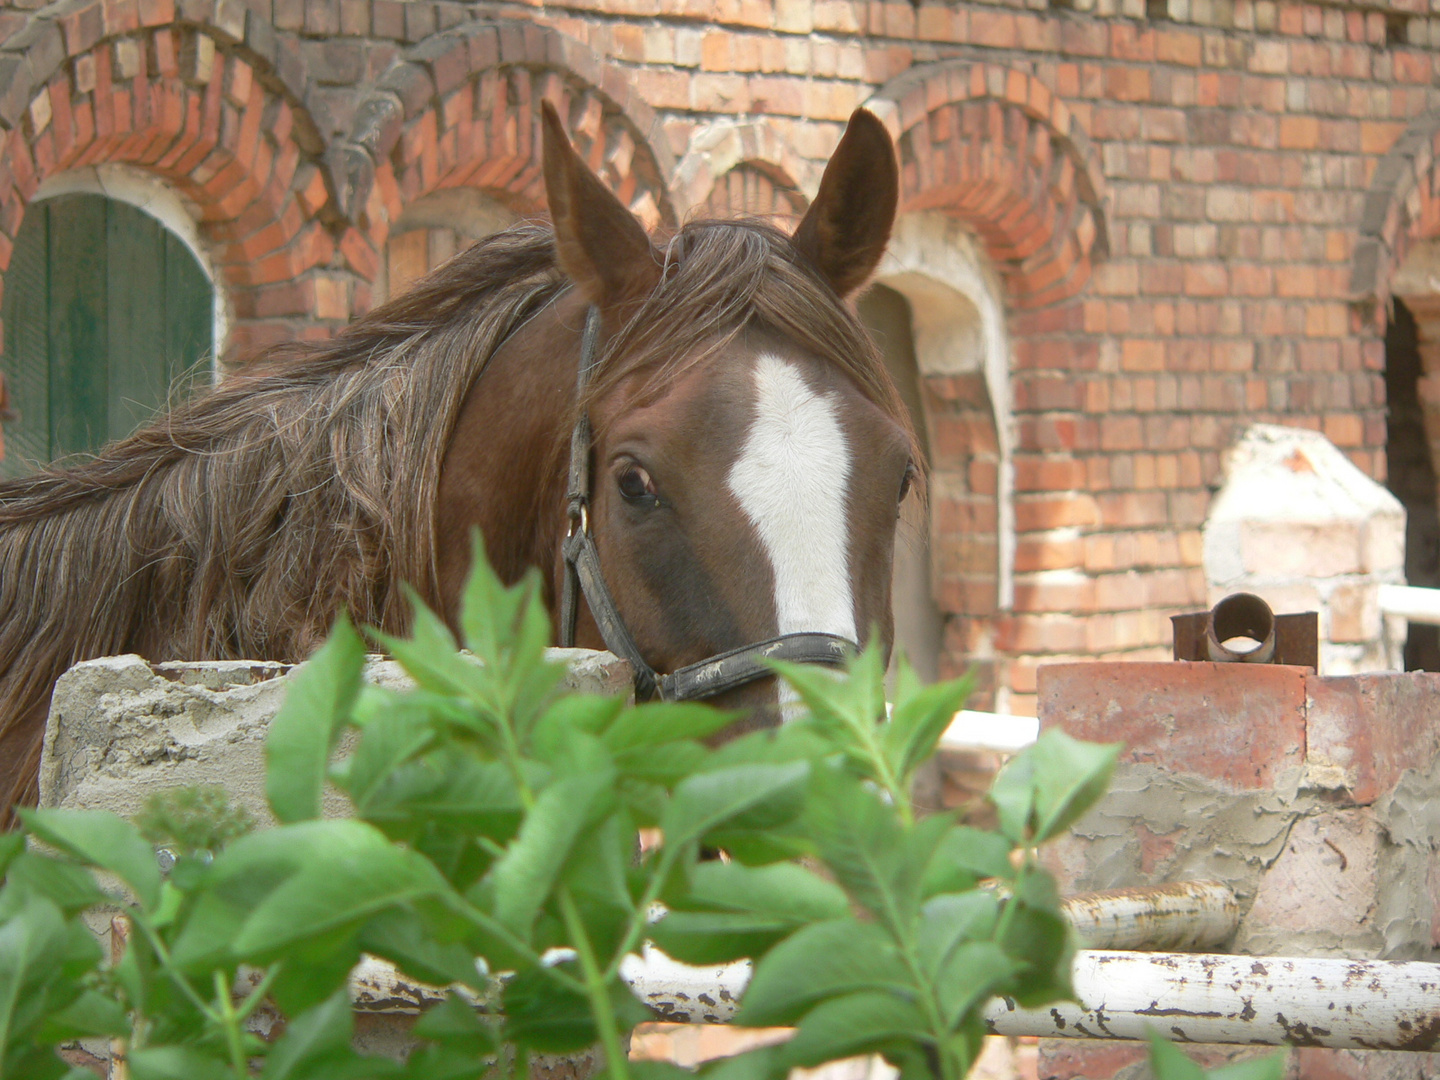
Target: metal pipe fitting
(1240,615)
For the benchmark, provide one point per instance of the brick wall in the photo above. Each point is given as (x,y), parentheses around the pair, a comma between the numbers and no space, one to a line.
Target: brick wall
(1194,208)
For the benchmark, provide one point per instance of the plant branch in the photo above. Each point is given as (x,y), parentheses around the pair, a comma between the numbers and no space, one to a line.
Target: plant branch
(596,989)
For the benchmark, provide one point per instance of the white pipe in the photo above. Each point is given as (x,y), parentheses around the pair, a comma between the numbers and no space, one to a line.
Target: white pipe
(1267,1000)
(1189,997)
(971,730)
(1411,602)
(1185,915)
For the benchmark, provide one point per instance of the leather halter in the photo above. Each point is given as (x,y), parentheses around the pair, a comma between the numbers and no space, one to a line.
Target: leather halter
(714,675)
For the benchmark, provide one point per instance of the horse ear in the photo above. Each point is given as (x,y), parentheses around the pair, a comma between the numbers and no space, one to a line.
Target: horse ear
(848,225)
(598,243)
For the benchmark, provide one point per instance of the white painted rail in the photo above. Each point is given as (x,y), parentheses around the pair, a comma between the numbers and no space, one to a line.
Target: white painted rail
(1411,602)
(971,730)
(1190,997)
(1269,1000)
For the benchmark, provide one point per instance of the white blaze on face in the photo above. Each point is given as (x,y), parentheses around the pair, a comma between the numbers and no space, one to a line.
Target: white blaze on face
(792,480)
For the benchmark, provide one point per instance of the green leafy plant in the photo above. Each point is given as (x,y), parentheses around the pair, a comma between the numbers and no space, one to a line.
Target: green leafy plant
(497,818)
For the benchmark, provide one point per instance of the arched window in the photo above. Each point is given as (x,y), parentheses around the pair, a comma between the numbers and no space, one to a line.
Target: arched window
(105,310)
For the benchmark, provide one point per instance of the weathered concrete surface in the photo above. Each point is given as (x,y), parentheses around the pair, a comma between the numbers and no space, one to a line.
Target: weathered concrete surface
(122,728)
(1317,799)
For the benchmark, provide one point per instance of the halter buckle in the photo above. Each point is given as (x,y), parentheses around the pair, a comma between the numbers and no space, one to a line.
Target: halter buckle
(580,514)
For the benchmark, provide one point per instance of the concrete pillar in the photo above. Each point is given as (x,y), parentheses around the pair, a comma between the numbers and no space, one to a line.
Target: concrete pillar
(1317,799)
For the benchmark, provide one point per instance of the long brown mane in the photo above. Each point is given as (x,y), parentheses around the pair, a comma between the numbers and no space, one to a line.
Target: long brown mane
(239,524)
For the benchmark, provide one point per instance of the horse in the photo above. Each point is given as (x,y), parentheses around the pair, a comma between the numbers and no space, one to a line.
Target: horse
(743,449)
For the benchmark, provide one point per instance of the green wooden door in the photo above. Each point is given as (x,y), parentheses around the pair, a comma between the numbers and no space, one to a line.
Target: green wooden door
(104,310)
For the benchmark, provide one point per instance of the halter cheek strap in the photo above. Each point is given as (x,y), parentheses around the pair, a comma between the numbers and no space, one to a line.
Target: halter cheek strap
(715,675)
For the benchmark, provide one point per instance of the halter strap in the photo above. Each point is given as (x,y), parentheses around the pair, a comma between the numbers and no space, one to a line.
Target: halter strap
(715,675)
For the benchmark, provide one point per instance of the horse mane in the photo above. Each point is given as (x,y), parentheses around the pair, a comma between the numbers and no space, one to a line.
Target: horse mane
(239,524)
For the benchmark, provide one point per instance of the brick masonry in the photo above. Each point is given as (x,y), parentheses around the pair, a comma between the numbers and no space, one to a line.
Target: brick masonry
(1194,207)
(1313,797)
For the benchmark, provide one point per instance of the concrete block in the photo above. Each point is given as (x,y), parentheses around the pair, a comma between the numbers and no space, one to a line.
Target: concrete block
(121,728)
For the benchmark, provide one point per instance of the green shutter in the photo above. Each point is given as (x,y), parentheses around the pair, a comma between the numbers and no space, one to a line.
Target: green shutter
(104,310)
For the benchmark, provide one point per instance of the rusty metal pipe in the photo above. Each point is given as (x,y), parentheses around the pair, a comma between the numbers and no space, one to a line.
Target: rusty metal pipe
(1185,915)
(1241,615)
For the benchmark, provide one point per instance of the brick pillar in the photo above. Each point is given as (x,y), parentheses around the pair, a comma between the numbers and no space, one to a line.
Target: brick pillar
(1317,799)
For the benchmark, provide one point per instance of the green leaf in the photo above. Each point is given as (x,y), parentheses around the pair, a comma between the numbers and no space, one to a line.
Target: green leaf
(819,962)
(745,796)
(950,920)
(1040,938)
(918,721)
(431,657)
(546,1015)
(29,944)
(176,1063)
(403,937)
(317,704)
(732,911)
(971,974)
(313,1040)
(72,888)
(455,1023)
(964,857)
(104,840)
(358,875)
(1169,1062)
(394,729)
(447,790)
(92,1013)
(1050,784)
(653,724)
(786,891)
(524,876)
(11,845)
(879,863)
(852,1025)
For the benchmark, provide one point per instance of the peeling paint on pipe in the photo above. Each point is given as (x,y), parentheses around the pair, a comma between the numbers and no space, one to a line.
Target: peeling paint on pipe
(1265,1000)
(1186,915)
(1188,997)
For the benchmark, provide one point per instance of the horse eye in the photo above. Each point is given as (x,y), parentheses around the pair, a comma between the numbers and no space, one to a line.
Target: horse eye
(906,482)
(635,484)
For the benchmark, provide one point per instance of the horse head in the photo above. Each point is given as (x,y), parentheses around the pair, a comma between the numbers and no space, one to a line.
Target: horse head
(747,453)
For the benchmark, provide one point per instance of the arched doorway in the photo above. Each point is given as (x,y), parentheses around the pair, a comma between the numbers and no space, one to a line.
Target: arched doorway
(919,626)
(434,228)
(105,310)
(1410,468)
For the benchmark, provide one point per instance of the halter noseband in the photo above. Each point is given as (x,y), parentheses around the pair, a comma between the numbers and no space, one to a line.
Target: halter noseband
(714,675)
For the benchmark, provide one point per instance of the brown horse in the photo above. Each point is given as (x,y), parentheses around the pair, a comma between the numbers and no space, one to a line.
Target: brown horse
(747,455)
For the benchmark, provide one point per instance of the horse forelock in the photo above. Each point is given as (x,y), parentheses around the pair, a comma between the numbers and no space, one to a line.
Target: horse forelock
(239,524)
(721,277)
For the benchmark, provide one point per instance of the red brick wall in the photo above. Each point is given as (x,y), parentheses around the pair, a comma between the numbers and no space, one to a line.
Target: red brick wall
(1195,218)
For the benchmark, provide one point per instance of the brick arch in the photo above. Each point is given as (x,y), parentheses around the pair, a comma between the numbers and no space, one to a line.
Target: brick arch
(742,167)
(996,148)
(461,108)
(1401,208)
(213,119)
